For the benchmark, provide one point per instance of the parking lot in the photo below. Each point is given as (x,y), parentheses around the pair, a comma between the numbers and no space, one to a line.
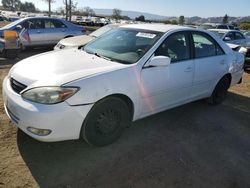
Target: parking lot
(196,145)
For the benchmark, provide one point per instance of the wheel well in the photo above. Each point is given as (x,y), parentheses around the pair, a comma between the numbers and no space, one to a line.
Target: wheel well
(127,100)
(229,76)
(68,36)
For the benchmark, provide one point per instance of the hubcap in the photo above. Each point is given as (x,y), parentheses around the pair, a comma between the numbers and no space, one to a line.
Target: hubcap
(108,122)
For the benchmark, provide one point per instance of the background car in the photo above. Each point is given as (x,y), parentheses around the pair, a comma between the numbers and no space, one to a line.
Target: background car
(224,26)
(247,33)
(43,31)
(75,42)
(237,38)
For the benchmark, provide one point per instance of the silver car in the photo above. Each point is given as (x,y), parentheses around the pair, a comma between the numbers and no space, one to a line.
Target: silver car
(43,31)
(75,42)
(237,41)
(232,37)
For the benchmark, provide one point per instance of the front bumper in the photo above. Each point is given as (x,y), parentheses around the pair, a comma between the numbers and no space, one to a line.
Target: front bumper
(63,120)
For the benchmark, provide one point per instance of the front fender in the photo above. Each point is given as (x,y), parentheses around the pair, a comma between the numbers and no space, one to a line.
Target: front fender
(124,81)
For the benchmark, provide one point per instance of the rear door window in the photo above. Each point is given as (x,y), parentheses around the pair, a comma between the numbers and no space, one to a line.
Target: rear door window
(239,36)
(54,24)
(205,46)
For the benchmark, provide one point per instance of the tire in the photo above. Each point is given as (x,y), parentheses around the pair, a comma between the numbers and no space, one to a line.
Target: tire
(11,54)
(220,92)
(105,122)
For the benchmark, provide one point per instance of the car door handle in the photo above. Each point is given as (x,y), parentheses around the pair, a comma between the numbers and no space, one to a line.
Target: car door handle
(38,31)
(188,69)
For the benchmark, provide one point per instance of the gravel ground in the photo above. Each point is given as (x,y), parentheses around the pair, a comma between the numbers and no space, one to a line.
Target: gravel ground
(195,145)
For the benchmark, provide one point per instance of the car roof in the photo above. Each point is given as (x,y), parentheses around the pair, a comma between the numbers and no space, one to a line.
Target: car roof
(222,30)
(154,27)
(40,17)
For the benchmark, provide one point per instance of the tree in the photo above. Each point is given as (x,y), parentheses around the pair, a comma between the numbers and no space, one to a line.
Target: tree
(225,19)
(140,18)
(11,4)
(174,22)
(88,11)
(27,7)
(49,3)
(117,14)
(70,7)
(245,25)
(167,22)
(181,20)
(126,18)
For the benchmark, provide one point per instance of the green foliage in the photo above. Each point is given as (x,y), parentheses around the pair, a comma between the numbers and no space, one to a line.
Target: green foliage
(12,5)
(141,18)
(117,14)
(27,7)
(17,5)
(167,22)
(181,20)
(245,25)
(225,19)
(174,22)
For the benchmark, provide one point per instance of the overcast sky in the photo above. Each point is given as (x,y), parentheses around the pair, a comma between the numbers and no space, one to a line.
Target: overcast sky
(164,7)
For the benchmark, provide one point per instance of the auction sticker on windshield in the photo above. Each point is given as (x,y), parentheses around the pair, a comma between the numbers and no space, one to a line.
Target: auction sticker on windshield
(146,35)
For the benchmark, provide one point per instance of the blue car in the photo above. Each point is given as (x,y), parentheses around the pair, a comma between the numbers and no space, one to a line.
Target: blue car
(43,31)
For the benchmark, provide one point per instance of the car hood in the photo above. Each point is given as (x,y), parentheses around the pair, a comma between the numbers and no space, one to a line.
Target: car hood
(76,41)
(60,67)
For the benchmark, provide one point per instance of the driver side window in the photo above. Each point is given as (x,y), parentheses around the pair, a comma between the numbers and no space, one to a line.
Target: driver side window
(230,35)
(176,47)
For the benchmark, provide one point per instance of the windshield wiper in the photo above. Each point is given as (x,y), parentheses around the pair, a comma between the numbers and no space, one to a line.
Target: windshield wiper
(107,58)
(99,55)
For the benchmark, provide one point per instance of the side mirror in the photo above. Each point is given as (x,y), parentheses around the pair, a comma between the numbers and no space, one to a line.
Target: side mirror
(19,27)
(159,61)
(227,39)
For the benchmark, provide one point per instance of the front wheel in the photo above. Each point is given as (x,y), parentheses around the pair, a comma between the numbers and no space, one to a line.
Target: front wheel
(105,122)
(220,91)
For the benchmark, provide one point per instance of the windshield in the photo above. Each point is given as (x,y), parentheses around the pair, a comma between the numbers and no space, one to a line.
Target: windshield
(219,33)
(101,31)
(123,45)
(12,24)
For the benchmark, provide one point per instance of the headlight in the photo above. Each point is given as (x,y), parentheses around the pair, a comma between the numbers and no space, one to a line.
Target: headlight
(60,46)
(49,95)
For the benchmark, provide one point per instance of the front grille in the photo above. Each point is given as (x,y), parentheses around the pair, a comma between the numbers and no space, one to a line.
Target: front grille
(17,86)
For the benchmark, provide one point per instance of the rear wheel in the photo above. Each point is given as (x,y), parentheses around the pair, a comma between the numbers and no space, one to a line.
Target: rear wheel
(105,122)
(220,91)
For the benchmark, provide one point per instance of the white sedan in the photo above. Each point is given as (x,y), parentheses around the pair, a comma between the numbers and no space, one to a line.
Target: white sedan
(132,72)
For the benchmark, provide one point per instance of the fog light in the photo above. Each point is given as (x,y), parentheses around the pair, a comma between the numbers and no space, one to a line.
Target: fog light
(39,132)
